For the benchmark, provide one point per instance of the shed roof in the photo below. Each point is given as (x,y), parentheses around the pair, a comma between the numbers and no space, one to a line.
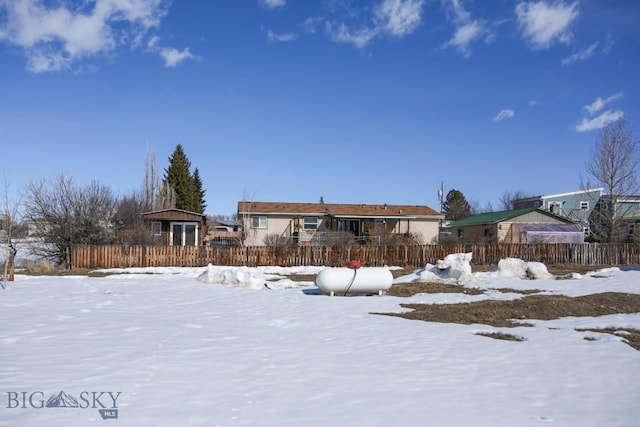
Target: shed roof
(336,209)
(495,217)
(174,214)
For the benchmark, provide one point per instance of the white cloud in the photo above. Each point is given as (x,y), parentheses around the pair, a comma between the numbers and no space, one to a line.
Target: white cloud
(599,103)
(399,17)
(463,37)
(582,55)
(358,38)
(55,36)
(467,30)
(599,122)
(589,123)
(287,37)
(310,24)
(543,24)
(172,56)
(533,103)
(457,12)
(273,4)
(504,114)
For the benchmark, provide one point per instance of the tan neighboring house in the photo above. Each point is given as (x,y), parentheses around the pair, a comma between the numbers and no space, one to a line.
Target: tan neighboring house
(527,225)
(313,223)
(177,227)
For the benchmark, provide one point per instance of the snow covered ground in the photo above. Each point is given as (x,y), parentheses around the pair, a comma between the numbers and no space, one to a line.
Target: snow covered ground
(173,348)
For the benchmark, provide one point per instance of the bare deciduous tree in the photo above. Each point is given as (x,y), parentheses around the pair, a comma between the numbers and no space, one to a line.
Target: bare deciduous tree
(8,217)
(613,165)
(508,197)
(151,185)
(67,214)
(276,240)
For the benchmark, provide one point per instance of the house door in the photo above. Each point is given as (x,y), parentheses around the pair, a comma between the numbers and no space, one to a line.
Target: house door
(184,234)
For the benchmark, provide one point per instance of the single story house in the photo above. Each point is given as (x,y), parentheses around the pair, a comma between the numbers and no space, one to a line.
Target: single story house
(177,227)
(526,225)
(318,223)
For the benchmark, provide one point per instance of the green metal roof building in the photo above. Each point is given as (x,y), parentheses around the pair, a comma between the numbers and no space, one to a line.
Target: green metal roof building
(527,225)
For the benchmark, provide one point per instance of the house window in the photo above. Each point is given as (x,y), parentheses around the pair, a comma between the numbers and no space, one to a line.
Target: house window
(258,222)
(156,228)
(310,222)
(631,228)
(460,233)
(555,208)
(584,206)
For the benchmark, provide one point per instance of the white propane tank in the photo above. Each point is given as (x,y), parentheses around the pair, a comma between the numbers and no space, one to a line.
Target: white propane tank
(337,280)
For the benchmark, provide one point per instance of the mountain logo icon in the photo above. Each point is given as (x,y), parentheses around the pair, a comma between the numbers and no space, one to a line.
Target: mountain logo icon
(62,400)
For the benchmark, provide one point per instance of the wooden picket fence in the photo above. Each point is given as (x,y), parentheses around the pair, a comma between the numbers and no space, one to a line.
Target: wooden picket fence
(124,256)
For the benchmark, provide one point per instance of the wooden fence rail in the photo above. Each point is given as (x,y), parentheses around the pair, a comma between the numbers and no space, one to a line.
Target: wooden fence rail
(123,256)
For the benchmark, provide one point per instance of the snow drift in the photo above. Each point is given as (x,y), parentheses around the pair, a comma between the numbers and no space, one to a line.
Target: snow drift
(456,268)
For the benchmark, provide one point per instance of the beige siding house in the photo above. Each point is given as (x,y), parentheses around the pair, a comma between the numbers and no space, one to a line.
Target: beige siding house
(527,225)
(316,223)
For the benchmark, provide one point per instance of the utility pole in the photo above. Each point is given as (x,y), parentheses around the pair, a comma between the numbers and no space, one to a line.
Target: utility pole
(441,197)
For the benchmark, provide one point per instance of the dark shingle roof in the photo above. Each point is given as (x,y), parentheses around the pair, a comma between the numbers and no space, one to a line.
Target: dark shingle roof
(335,209)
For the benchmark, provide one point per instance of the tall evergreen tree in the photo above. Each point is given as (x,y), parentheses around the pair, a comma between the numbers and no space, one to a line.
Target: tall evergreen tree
(178,177)
(456,206)
(199,204)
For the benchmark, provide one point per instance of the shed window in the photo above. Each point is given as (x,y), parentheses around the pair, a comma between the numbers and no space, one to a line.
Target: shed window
(184,234)
(460,233)
(310,222)
(156,228)
(259,221)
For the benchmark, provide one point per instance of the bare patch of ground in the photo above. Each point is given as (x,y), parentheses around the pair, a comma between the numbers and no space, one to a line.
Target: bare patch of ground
(629,335)
(410,289)
(302,277)
(61,271)
(500,336)
(512,313)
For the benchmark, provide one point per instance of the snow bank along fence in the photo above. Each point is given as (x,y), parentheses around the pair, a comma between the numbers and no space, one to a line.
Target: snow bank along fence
(122,256)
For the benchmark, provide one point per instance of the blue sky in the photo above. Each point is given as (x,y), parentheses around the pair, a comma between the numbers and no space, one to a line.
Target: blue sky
(290,100)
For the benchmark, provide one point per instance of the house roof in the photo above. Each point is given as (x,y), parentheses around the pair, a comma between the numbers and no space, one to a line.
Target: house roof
(556,195)
(338,210)
(495,217)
